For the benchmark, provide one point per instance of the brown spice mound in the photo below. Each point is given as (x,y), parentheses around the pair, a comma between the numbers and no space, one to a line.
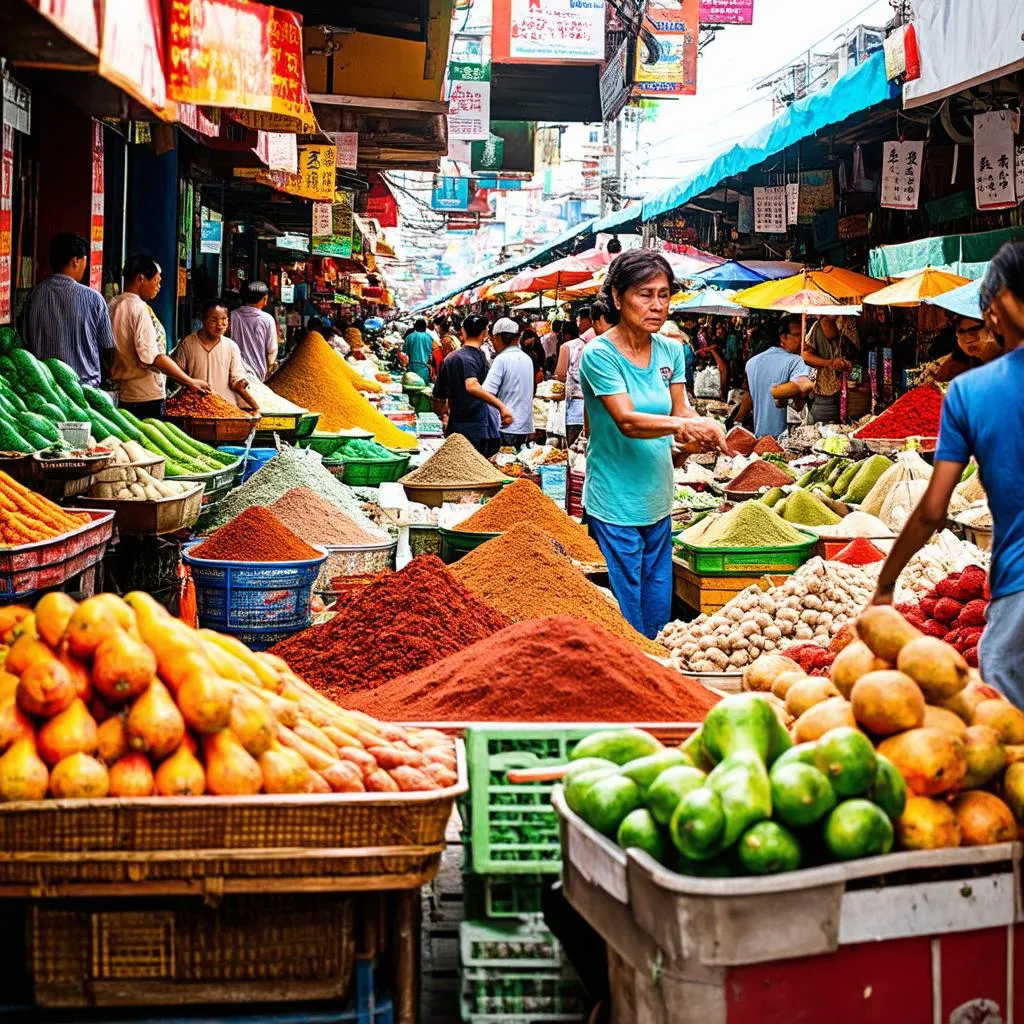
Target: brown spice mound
(759,474)
(557,669)
(741,440)
(525,574)
(525,502)
(768,446)
(317,521)
(398,624)
(455,462)
(190,403)
(255,535)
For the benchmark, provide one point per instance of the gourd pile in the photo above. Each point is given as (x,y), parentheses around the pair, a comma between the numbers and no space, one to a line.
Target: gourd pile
(117,698)
(812,604)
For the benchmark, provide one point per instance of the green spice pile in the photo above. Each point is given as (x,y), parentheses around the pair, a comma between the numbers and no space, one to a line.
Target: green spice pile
(750,525)
(804,508)
(293,467)
(357,448)
(455,462)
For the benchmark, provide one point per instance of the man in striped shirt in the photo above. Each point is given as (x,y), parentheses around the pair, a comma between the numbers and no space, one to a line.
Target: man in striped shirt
(63,318)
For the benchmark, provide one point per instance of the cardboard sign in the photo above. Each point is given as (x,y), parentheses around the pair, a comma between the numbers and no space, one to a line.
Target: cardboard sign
(901,175)
(995,181)
(770,210)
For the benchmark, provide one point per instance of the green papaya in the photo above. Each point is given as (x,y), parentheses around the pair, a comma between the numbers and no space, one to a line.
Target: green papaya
(781,740)
(618,745)
(669,788)
(888,790)
(639,829)
(768,848)
(698,824)
(576,790)
(858,828)
(801,795)
(848,759)
(585,764)
(741,722)
(644,770)
(802,753)
(693,747)
(608,800)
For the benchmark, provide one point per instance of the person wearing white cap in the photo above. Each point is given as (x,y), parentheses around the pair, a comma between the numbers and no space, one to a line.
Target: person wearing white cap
(510,379)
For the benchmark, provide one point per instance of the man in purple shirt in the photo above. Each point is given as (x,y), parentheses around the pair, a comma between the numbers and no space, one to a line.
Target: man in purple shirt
(253,330)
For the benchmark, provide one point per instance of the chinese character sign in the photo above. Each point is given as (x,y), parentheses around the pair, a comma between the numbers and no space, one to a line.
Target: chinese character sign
(1020,174)
(337,241)
(726,12)
(96,229)
(131,51)
(347,145)
(469,101)
(901,174)
(675,27)
(995,183)
(321,220)
(6,197)
(793,203)
(562,30)
(315,176)
(770,210)
(817,194)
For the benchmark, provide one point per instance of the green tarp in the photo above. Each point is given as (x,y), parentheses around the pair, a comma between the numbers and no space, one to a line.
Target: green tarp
(966,255)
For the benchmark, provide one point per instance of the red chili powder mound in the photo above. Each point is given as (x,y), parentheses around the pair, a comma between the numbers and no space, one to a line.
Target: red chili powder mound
(760,474)
(400,623)
(741,440)
(558,669)
(915,414)
(255,535)
(768,446)
(859,551)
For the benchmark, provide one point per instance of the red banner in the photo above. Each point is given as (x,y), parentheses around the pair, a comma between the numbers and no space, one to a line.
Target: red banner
(96,229)
(6,202)
(77,19)
(381,204)
(132,51)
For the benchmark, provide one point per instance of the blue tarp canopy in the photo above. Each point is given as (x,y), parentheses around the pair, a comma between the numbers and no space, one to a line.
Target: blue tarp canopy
(730,274)
(864,87)
(963,301)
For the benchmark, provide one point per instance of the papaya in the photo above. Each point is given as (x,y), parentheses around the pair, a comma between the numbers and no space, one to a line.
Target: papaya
(8,686)
(608,801)
(801,794)
(693,747)
(112,739)
(155,724)
(53,611)
(1002,716)
(697,825)
(986,756)
(1013,790)
(284,771)
(79,777)
(664,794)
(618,745)
(964,702)
(181,774)
(847,759)
(179,652)
(639,830)
(122,667)
(781,741)
(90,623)
(25,650)
(230,769)
(737,723)
(801,753)
(119,610)
(14,724)
(887,702)
(937,667)
(943,718)
(250,720)
(803,695)
(585,764)
(888,790)
(816,721)
(761,673)
(23,775)
(132,775)
(205,703)
(885,631)
(644,770)
(931,761)
(577,789)
(768,848)
(858,828)
(927,824)
(72,731)
(983,819)
(46,688)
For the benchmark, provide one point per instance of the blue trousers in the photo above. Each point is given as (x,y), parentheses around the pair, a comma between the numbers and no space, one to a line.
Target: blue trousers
(1000,647)
(640,570)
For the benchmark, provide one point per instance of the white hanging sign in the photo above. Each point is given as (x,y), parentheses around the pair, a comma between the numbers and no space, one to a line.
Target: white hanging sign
(793,203)
(901,175)
(1020,174)
(469,101)
(347,146)
(770,210)
(322,224)
(995,186)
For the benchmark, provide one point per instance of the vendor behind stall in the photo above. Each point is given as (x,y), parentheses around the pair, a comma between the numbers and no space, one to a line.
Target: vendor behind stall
(974,345)
(825,349)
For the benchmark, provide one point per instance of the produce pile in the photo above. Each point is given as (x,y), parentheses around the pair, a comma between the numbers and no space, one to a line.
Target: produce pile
(914,414)
(801,506)
(191,404)
(524,502)
(933,563)
(844,479)
(27,517)
(856,524)
(357,448)
(812,658)
(767,445)
(748,525)
(456,462)
(141,485)
(255,535)
(317,521)
(814,603)
(954,610)
(760,473)
(526,574)
(117,698)
(556,669)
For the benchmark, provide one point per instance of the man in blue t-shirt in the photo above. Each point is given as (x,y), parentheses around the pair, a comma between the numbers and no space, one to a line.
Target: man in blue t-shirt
(419,347)
(982,416)
(776,375)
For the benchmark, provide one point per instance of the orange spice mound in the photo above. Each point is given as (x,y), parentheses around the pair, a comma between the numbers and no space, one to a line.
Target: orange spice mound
(255,535)
(524,502)
(190,403)
(768,446)
(741,440)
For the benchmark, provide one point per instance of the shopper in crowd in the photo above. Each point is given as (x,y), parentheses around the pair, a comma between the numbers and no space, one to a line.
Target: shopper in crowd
(823,349)
(449,343)
(775,377)
(529,342)
(510,379)
(635,398)
(568,369)
(141,364)
(983,417)
(419,347)
(209,355)
(549,342)
(254,330)
(973,345)
(585,322)
(64,319)
(460,398)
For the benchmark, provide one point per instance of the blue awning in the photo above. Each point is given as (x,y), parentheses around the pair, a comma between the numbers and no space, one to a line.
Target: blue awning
(730,275)
(620,220)
(866,86)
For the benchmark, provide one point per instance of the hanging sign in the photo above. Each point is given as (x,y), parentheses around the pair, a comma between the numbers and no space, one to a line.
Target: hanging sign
(770,210)
(75,18)
(132,52)
(817,194)
(278,150)
(96,226)
(347,145)
(792,203)
(17,105)
(321,220)
(675,27)
(6,204)
(315,176)
(469,101)
(995,186)
(560,30)
(901,175)
(726,12)
(1020,174)
(450,194)
(300,243)
(381,204)
(211,231)
(198,120)
(338,241)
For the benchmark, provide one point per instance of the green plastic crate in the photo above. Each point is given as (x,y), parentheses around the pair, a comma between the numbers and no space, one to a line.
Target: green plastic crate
(456,543)
(374,472)
(307,424)
(514,945)
(509,997)
(324,444)
(731,561)
(509,896)
(513,828)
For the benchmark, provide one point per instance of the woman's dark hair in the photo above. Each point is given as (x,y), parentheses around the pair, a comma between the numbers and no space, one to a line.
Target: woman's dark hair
(211,304)
(632,268)
(140,263)
(475,325)
(1005,271)
(600,308)
(315,324)
(529,334)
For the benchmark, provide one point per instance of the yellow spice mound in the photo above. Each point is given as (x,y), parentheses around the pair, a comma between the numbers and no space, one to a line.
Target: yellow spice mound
(317,378)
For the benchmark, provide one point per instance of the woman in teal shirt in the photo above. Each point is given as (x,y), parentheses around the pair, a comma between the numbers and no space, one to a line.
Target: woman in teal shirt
(634,391)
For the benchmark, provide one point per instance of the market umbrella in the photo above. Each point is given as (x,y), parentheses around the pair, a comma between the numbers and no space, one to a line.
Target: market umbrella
(559,274)
(711,301)
(913,290)
(730,274)
(690,261)
(963,301)
(838,286)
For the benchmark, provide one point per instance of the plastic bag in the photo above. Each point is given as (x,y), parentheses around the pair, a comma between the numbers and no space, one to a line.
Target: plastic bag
(556,420)
(900,502)
(707,383)
(908,466)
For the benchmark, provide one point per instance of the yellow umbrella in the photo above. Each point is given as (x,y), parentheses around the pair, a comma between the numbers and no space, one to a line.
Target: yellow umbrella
(845,287)
(913,290)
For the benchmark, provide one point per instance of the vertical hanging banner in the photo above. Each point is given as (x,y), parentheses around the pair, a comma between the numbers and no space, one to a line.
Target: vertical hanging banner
(315,176)
(6,206)
(338,242)
(726,12)
(1020,174)
(995,185)
(770,210)
(381,204)
(96,225)
(469,101)
(321,220)
(901,175)
(450,194)
(817,194)
(792,203)
(347,145)
(132,52)
(559,30)
(278,150)
(675,26)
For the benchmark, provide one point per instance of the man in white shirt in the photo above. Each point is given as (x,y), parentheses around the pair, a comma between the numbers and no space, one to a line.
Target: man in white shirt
(549,342)
(255,331)
(510,379)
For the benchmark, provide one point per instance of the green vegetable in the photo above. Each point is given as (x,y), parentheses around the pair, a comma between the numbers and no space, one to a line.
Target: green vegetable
(40,424)
(585,764)
(772,497)
(848,760)
(858,828)
(102,427)
(866,478)
(175,433)
(802,753)
(740,722)
(618,745)
(638,829)
(669,788)
(8,370)
(888,790)
(607,802)
(577,789)
(768,848)
(845,478)
(31,375)
(969,470)
(37,404)
(67,380)
(698,824)
(11,395)
(11,440)
(693,747)
(644,770)
(801,795)
(99,402)
(36,441)
(9,340)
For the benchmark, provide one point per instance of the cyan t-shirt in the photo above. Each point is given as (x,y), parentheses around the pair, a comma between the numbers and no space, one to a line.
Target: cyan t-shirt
(773,366)
(629,479)
(983,416)
(419,347)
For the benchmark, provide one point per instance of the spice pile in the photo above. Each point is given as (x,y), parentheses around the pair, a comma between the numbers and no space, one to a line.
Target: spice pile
(271,403)
(741,440)
(555,669)
(856,524)
(317,521)
(455,462)
(524,502)
(525,574)
(357,448)
(749,525)
(915,414)
(859,551)
(293,467)
(760,474)
(803,507)
(400,623)
(767,445)
(318,378)
(954,610)
(255,535)
(27,517)
(191,404)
